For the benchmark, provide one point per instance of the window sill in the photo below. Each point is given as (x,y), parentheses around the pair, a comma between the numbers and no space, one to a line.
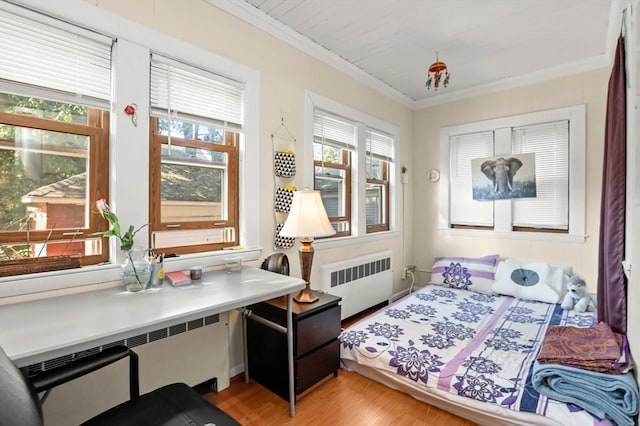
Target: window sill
(94,277)
(539,236)
(327,243)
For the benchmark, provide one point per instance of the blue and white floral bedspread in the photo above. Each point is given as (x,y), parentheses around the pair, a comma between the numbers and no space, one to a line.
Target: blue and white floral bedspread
(477,345)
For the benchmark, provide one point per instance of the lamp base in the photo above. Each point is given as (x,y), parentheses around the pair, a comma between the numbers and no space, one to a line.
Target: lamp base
(306,295)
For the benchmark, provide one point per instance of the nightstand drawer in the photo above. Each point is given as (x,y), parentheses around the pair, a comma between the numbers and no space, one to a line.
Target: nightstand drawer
(316,350)
(316,330)
(317,365)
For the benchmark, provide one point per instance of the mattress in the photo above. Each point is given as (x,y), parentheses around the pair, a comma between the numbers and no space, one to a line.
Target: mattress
(466,352)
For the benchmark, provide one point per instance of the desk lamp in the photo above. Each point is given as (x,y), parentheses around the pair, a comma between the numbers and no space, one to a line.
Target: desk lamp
(307,219)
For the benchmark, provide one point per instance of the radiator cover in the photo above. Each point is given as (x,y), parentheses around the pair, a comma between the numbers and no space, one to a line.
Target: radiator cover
(362,282)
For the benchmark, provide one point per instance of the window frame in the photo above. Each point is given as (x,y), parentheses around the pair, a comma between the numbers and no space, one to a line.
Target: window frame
(502,128)
(230,147)
(345,165)
(359,232)
(97,130)
(384,183)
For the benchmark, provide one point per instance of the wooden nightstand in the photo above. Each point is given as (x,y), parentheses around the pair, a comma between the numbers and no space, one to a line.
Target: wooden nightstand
(316,350)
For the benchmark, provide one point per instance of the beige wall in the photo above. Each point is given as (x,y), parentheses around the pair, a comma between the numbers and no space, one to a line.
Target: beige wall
(286,73)
(588,88)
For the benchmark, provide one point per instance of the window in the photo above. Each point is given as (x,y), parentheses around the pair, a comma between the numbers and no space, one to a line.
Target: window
(354,170)
(556,137)
(54,141)
(379,155)
(194,142)
(550,209)
(465,212)
(333,143)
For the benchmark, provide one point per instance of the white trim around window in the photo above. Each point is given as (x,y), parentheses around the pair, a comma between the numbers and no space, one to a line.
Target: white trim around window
(358,209)
(501,128)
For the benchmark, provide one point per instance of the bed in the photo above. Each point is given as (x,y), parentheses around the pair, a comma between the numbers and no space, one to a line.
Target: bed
(468,352)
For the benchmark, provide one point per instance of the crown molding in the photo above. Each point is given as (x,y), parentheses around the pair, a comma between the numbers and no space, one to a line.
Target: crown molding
(253,16)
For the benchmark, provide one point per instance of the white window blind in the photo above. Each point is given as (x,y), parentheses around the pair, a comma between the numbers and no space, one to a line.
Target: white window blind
(334,131)
(379,145)
(54,60)
(550,143)
(182,91)
(464,210)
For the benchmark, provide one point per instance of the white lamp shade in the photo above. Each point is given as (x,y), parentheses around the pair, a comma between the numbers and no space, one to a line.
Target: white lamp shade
(307,216)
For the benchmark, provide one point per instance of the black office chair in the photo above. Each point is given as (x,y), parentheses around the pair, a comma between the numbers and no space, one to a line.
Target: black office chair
(171,405)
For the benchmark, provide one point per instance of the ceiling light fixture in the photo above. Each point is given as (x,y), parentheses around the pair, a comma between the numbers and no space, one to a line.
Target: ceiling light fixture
(435,73)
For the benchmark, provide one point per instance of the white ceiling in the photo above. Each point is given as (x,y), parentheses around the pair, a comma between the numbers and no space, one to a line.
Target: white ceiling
(487,44)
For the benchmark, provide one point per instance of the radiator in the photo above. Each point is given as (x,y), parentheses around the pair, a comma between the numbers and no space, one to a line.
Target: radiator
(362,282)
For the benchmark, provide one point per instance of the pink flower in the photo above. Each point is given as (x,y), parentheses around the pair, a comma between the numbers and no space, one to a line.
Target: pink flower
(102,205)
(126,239)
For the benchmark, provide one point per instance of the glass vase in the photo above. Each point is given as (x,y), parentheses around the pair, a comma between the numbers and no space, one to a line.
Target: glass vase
(136,270)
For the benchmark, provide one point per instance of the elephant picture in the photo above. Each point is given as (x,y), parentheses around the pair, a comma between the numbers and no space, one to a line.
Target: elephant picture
(501,172)
(504,177)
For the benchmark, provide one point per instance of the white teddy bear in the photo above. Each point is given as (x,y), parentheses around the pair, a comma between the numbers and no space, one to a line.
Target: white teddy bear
(577,297)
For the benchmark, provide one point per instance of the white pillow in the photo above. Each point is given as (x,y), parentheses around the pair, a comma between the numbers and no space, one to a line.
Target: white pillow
(560,275)
(532,281)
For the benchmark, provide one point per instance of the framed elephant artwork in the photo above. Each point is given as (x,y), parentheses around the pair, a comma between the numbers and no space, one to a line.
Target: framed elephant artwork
(504,177)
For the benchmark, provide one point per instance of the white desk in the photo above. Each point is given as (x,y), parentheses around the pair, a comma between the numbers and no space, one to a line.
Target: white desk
(40,330)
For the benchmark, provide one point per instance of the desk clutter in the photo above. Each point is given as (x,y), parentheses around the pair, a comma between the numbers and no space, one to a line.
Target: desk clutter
(178,278)
(157,269)
(155,264)
(142,269)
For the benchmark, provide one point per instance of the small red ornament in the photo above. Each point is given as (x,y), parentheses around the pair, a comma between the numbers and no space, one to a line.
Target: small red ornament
(131,110)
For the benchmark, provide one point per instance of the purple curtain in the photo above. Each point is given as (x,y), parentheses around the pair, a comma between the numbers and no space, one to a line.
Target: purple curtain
(612,283)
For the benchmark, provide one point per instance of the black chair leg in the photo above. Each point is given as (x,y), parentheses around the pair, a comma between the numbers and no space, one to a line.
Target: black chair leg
(134,381)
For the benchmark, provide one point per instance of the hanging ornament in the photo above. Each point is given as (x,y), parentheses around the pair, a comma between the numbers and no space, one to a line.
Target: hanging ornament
(436,72)
(130,110)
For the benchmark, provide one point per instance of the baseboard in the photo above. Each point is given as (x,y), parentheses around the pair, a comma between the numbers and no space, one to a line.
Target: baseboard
(398,295)
(236,370)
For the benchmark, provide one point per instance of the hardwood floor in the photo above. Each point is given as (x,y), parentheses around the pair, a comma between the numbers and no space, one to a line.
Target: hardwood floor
(349,399)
